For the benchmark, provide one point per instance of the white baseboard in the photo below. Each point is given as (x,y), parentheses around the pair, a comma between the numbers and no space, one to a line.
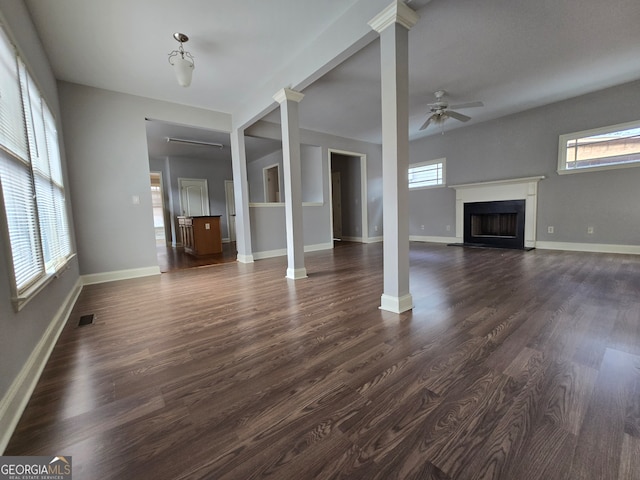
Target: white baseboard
(589,247)
(396,304)
(352,239)
(226,240)
(430,239)
(281,252)
(296,273)
(244,258)
(94,278)
(15,400)
(318,247)
(374,239)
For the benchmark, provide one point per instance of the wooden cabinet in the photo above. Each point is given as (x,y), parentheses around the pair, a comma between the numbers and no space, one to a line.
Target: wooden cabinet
(201,235)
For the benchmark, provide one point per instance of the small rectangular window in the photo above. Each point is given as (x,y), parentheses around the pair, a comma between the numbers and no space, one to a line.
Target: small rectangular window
(617,146)
(427,174)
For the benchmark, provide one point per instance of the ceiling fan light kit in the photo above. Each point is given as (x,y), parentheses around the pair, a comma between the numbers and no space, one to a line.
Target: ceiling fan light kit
(182,61)
(441,110)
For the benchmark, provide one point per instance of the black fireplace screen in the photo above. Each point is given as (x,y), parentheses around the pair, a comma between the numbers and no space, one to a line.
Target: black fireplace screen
(496,224)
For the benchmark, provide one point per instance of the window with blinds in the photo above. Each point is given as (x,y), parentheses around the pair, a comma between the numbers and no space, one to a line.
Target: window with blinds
(33,193)
(427,174)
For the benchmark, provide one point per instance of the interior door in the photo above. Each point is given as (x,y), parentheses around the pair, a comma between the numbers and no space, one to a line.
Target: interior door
(336,202)
(194,197)
(231,209)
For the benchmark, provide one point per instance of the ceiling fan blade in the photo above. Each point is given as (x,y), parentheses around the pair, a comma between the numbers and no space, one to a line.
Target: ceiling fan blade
(426,124)
(457,116)
(467,105)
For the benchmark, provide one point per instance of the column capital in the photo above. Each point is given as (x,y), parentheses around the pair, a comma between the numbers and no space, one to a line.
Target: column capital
(285,94)
(397,12)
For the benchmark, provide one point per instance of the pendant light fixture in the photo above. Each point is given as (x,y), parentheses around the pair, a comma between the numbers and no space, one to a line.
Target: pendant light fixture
(182,61)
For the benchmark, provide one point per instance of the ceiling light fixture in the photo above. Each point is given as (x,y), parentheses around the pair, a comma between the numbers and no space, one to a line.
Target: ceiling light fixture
(194,142)
(182,61)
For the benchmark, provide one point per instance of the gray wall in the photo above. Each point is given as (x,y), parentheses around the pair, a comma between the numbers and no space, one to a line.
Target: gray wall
(351,192)
(255,176)
(311,173)
(526,144)
(215,172)
(108,164)
(317,223)
(20,332)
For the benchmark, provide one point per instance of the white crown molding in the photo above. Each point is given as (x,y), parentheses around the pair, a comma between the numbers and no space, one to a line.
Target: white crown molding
(397,12)
(285,94)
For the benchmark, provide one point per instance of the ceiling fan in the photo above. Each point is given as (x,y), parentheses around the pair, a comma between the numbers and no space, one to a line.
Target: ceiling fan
(440,110)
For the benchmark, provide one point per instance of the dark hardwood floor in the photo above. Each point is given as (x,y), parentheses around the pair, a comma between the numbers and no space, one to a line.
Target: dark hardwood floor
(513,365)
(170,258)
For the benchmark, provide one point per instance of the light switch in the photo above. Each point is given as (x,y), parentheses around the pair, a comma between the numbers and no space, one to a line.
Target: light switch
(207,226)
(135,199)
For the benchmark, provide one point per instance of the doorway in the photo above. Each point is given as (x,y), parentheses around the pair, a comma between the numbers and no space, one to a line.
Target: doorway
(349,213)
(194,197)
(336,205)
(271,175)
(157,203)
(231,209)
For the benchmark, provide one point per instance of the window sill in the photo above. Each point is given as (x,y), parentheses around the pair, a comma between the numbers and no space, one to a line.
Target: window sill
(598,168)
(428,187)
(21,300)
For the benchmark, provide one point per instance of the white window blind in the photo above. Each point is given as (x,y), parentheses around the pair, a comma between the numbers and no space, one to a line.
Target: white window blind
(33,192)
(12,133)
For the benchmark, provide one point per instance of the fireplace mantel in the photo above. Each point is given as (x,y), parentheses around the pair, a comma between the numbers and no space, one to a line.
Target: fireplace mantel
(510,189)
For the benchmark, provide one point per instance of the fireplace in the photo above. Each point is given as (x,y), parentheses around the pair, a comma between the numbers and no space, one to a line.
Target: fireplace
(495,224)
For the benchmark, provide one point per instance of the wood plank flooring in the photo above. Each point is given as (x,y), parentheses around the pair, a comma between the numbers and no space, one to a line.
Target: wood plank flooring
(513,365)
(170,258)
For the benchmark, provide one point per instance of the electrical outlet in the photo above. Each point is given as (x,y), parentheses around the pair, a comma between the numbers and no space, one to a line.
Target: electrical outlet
(590,230)
(421,227)
(550,230)
(375,228)
(448,228)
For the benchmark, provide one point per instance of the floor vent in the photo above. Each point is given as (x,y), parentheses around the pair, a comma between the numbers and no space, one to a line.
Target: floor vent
(86,320)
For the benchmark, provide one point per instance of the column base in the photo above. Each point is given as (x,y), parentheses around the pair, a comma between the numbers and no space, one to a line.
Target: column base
(396,304)
(244,258)
(296,273)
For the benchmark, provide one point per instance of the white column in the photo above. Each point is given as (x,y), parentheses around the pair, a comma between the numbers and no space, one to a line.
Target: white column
(241,192)
(288,100)
(393,25)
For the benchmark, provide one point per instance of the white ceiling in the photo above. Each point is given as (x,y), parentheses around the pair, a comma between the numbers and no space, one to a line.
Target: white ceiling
(510,54)
(159,148)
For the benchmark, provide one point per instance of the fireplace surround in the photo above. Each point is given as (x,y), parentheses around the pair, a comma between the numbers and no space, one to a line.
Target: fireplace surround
(522,189)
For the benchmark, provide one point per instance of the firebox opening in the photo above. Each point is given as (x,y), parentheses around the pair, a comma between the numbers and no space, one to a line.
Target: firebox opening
(495,224)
